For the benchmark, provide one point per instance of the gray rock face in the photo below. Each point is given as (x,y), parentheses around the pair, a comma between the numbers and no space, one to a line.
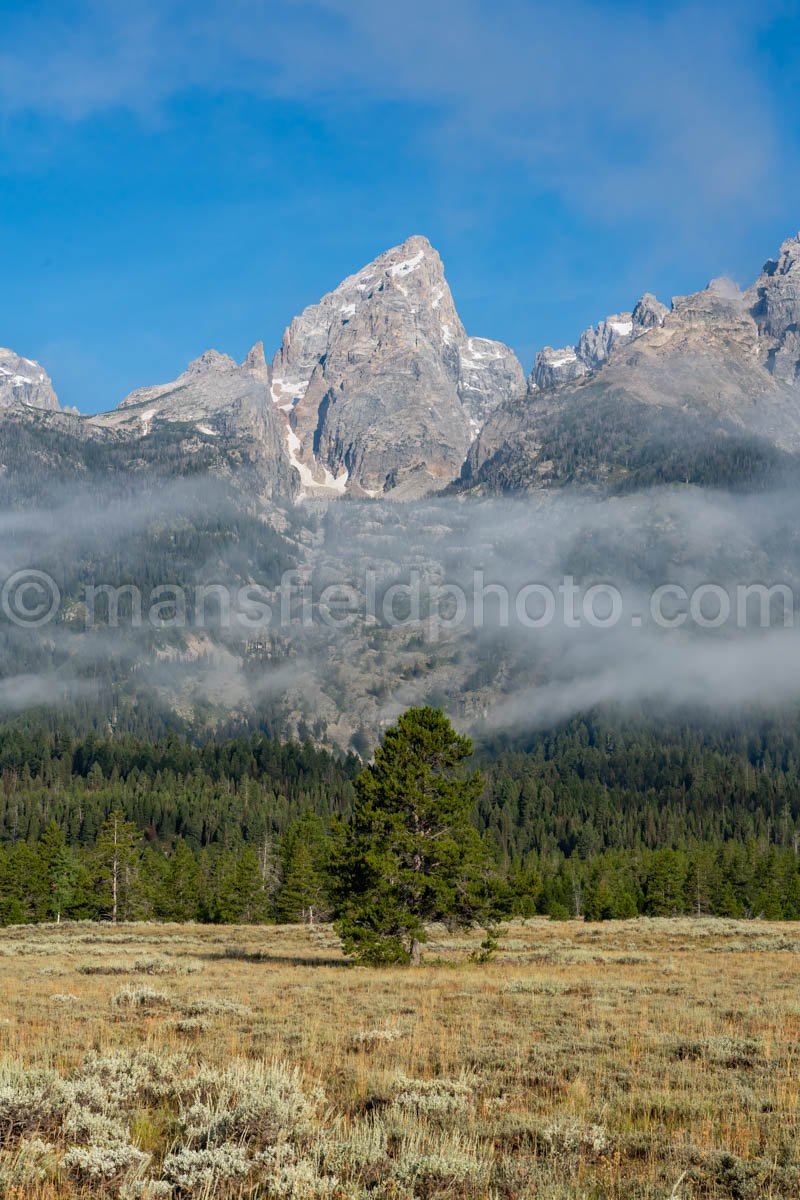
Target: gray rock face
(209,386)
(775,305)
(554,368)
(257,365)
(489,373)
(214,399)
(726,358)
(378,389)
(381,387)
(24,382)
(720,314)
(649,313)
(596,344)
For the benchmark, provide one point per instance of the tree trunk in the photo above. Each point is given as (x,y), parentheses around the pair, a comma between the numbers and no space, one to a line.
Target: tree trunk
(416,952)
(114,875)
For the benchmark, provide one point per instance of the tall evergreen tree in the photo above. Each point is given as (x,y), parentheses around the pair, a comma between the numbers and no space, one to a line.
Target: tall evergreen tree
(409,853)
(179,896)
(302,895)
(251,900)
(61,872)
(117,857)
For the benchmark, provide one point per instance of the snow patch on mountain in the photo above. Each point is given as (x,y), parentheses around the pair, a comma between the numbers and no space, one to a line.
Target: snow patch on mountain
(308,479)
(554,368)
(407,265)
(24,382)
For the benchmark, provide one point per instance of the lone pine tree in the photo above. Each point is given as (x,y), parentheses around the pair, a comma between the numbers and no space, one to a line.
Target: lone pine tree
(409,853)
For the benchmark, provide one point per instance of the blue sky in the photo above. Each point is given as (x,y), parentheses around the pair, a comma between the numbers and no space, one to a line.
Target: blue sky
(179,175)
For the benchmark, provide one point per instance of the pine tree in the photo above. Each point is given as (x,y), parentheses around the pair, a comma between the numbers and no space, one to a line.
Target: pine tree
(665,886)
(699,884)
(302,894)
(29,881)
(409,853)
(238,891)
(602,906)
(117,857)
(61,872)
(249,890)
(179,896)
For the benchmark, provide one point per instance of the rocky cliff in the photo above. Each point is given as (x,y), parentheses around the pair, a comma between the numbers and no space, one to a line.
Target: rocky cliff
(382,388)
(378,389)
(723,363)
(24,382)
(555,367)
(216,402)
(774,303)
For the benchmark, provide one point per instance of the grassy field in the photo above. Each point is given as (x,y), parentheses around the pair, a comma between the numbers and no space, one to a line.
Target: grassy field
(632,1059)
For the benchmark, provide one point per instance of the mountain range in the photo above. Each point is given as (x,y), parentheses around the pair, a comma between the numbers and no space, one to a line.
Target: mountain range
(664,445)
(378,390)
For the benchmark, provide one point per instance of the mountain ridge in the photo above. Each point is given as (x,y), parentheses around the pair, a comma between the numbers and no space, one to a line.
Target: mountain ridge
(378,389)
(730,357)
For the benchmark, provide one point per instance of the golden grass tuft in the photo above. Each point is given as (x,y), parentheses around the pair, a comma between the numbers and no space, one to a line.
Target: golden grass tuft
(641,1059)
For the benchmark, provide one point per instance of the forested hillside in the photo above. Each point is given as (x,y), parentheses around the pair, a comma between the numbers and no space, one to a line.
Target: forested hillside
(599,443)
(601,818)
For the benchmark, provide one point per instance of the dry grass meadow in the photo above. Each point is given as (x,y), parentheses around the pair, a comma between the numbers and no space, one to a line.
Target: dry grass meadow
(649,1058)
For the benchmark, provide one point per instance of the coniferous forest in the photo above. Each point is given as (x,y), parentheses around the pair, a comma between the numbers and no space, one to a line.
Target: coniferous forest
(601,818)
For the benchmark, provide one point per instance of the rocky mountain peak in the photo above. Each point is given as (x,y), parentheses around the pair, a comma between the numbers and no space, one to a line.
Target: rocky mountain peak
(216,408)
(649,313)
(378,388)
(412,268)
(788,259)
(723,360)
(211,360)
(716,320)
(774,301)
(554,368)
(382,388)
(255,362)
(718,299)
(24,382)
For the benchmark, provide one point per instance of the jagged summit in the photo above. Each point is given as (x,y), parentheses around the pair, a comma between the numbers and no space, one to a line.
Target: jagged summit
(555,367)
(255,361)
(203,380)
(382,388)
(24,382)
(215,400)
(724,358)
(774,301)
(788,257)
(211,360)
(378,388)
(769,310)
